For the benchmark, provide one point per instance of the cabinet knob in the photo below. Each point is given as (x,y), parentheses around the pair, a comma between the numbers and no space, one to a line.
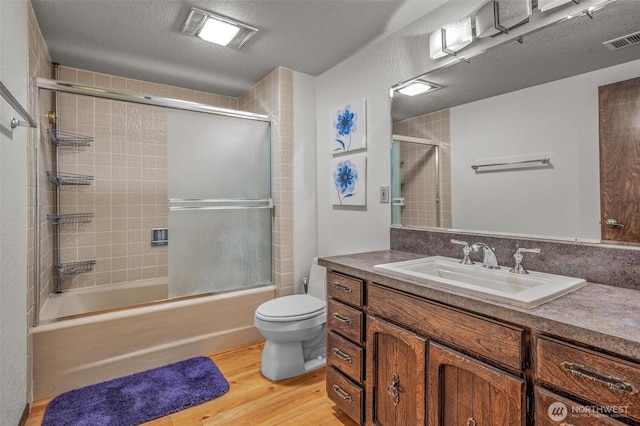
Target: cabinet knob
(471,422)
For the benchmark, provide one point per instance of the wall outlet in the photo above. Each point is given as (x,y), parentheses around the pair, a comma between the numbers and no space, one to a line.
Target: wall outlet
(384,194)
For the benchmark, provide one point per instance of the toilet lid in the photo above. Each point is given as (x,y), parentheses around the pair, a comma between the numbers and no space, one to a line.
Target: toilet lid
(291,308)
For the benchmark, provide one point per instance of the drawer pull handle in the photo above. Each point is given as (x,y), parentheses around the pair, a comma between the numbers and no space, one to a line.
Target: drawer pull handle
(342,356)
(471,422)
(342,318)
(609,381)
(342,287)
(342,393)
(394,389)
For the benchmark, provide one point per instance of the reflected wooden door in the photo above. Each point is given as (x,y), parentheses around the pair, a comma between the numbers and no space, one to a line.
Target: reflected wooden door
(619,112)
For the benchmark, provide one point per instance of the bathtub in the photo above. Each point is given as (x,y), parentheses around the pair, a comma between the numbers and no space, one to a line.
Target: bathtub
(103,298)
(80,351)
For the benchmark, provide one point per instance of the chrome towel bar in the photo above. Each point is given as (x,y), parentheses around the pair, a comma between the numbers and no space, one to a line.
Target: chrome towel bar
(538,162)
(18,108)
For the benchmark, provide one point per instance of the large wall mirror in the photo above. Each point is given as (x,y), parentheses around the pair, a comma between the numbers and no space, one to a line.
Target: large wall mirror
(529,105)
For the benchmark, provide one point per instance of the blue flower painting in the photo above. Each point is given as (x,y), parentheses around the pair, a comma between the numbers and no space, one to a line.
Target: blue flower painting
(349,128)
(345,177)
(349,180)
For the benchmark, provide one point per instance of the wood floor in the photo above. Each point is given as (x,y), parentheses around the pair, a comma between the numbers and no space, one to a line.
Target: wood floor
(252,400)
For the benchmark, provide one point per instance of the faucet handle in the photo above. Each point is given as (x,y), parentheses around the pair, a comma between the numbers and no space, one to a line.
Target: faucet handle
(466,260)
(518,256)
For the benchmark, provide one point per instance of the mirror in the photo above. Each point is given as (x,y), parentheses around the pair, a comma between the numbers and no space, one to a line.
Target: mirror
(522,102)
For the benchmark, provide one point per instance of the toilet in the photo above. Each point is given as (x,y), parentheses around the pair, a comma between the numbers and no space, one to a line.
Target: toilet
(295,330)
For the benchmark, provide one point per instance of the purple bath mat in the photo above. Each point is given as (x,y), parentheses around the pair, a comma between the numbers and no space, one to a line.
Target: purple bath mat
(139,398)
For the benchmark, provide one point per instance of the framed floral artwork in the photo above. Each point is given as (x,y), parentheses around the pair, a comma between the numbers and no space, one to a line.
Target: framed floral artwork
(349,127)
(349,180)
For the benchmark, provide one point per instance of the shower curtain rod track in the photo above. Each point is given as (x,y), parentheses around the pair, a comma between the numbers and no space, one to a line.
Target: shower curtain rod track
(81,89)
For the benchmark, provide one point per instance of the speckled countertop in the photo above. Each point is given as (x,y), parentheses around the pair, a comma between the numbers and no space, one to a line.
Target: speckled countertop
(601,316)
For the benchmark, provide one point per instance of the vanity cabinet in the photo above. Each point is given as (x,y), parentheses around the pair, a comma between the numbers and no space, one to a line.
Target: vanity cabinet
(345,343)
(418,349)
(597,379)
(465,391)
(396,375)
(397,358)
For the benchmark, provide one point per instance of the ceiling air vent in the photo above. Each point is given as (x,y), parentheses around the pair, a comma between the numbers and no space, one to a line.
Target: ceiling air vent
(624,41)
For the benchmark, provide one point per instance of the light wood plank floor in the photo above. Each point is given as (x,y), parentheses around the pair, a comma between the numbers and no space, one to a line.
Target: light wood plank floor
(251,400)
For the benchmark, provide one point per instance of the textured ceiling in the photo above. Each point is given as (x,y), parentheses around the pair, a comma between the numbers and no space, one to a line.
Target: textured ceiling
(141,38)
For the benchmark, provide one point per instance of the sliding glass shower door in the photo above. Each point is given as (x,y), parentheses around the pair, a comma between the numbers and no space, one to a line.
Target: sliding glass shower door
(219,186)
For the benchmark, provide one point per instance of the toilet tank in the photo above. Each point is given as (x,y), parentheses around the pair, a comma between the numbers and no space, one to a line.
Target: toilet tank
(317,280)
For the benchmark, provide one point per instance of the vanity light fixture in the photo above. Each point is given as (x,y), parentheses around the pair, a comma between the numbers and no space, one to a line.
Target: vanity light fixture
(500,16)
(415,87)
(544,5)
(450,39)
(217,29)
(589,11)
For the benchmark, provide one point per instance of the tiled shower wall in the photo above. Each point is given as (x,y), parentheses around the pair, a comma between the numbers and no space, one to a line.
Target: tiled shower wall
(128,159)
(418,186)
(273,96)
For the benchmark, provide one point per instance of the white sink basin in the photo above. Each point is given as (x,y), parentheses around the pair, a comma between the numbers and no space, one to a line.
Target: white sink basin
(527,291)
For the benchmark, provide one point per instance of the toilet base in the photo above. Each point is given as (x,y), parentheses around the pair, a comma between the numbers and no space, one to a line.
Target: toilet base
(284,360)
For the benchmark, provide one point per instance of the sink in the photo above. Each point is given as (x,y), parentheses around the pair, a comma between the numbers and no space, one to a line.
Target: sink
(527,291)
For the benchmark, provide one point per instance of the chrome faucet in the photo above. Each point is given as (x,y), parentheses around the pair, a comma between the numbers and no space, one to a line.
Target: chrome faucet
(465,250)
(518,268)
(489,260)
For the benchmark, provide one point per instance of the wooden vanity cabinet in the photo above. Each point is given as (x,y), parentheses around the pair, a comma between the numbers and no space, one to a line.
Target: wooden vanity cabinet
(396,375)
(399,359)
(414,377)
(345,343)
(600,381)
(465,391)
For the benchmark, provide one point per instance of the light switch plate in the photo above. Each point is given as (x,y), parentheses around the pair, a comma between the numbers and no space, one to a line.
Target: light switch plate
(384,194)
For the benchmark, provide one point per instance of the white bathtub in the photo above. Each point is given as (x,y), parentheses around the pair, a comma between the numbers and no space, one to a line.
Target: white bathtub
(80,351)
(103,298)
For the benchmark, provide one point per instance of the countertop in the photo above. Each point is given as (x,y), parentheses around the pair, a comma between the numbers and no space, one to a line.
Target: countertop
(601,316)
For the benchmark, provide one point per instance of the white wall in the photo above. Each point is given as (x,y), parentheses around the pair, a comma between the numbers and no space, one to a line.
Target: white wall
(13,216)
(305,219)
(369,74)
(559,120)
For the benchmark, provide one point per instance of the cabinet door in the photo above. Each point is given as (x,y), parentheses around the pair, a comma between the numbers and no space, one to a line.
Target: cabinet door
(464,391)
(396,375)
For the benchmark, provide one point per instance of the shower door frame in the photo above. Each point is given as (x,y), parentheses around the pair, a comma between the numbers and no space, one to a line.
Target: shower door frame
(396,195)
(98,92)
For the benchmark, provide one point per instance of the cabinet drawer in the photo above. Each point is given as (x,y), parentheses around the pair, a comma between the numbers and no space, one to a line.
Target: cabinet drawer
(347,395)
(489,339)
(345,356)
(552,409)
(592,376)
(345,289)
(344,320)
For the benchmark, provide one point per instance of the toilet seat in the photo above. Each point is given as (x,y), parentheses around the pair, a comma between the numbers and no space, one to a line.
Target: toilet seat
(290,308)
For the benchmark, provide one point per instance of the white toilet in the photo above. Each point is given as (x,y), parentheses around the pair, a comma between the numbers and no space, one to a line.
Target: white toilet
(295,330)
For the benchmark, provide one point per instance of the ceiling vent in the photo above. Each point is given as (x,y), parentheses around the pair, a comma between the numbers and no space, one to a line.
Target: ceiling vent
(624,41)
